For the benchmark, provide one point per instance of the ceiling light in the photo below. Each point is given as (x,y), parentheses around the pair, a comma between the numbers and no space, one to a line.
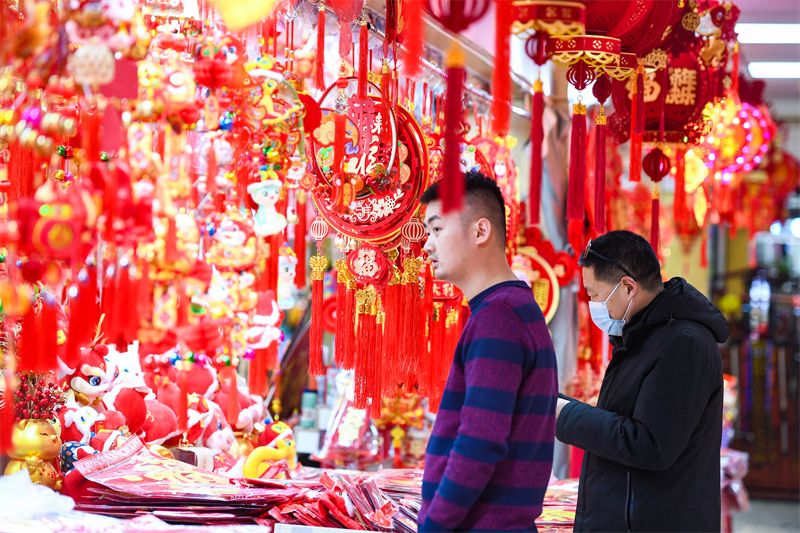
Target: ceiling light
(774,70)
(768,33)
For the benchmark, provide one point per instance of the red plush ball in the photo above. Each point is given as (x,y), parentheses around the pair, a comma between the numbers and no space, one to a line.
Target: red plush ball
(132,405)
(159,423)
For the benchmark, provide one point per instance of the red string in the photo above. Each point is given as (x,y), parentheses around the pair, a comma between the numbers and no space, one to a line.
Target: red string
(413,37)
(451,189)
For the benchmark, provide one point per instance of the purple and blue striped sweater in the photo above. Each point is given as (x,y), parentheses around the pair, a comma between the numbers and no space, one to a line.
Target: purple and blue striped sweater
(490,455)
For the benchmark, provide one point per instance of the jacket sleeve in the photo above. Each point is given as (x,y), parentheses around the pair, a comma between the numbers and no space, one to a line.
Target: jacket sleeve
(493,371)
(670,403)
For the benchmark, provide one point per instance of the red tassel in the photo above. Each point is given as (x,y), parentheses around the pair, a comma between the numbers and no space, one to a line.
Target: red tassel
(183,398)
(576,194)
(341,295)
(386,104)
(171,241)
(451,190)
(48,333)
(7,417)
(363,63)
(735,70)
(600,175)
(348,333)
(212,169)
(315,364)
(366,343)
(257,372)
(537,138)
(20,171)
(637,127)
(300,231)
(680,212)
(391,339)
(319,62)
(654,220)
(501,80)
(704,250)
(412,41)
(376,384)
(232,411)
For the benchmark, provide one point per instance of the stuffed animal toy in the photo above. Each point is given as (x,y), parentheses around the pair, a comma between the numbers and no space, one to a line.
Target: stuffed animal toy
(160,423)
(276,444)
(88,381)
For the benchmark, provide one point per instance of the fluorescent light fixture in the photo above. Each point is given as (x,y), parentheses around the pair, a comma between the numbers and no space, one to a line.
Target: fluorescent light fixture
(768,33)
(774,70)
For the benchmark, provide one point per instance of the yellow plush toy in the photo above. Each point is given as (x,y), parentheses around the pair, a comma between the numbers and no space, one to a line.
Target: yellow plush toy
(277,443)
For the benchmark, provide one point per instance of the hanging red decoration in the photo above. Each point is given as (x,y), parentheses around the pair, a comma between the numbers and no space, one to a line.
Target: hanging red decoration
(456,16)
(501,80)
(319,61)
(576,193)
(656,165)
(601,91)
(413,27)
(318,263)
(637,126)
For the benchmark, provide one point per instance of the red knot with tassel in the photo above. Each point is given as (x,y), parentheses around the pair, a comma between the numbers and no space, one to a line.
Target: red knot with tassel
(537,138)
(318,264)
(637,125)
(601,91)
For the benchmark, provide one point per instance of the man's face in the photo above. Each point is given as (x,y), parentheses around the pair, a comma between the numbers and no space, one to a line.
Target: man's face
(448,243)
(599,291)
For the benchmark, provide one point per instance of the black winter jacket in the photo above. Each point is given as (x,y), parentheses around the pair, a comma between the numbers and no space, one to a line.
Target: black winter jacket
(652,444)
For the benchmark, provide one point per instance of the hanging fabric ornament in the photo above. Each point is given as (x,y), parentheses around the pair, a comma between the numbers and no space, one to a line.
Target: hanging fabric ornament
(318,264)
(386,103)
(637,125)
(656,165)
(300,231)
(501,80)
(601,91)
(345,315)
(537,138)
(680,213)
(319,61)
(576,193)
(414,26)
(365,351)
(363,59)
(456,16)
(451,188)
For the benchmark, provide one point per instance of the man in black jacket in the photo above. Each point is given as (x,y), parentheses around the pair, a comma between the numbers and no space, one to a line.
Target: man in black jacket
(652,444)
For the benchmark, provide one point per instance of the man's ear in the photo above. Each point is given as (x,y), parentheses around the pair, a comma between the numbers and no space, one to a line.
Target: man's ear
(483,231)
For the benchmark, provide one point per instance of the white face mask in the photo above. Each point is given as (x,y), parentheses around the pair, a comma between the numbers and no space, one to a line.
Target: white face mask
(601,318)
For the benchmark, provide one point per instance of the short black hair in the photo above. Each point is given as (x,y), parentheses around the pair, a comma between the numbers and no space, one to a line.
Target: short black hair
(630,251)
(482,195)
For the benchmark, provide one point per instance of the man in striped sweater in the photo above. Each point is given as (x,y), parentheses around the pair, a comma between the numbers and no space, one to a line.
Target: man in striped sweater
(490,455)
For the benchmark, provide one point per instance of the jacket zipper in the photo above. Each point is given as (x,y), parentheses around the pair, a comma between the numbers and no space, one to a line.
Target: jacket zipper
(629,504)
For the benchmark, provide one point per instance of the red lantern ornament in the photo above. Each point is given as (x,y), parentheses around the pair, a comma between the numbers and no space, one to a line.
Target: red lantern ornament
(656,165)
